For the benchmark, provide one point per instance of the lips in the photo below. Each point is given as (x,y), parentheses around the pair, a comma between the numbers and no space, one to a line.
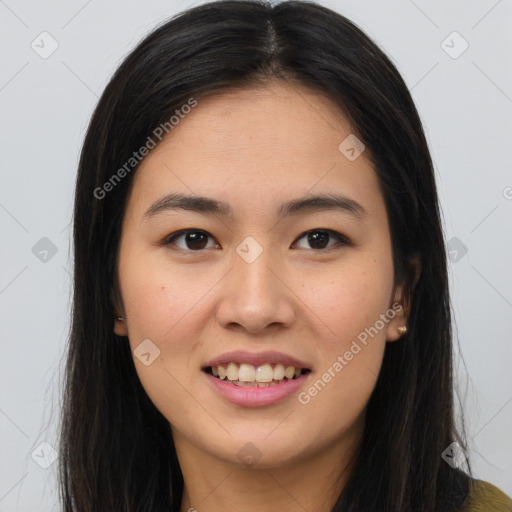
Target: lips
(256,394)
(251,379)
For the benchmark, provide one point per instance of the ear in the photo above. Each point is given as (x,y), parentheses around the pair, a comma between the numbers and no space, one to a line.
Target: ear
(120,327)
(402,294)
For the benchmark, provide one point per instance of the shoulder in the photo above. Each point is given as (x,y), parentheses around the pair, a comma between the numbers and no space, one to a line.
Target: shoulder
(485,497)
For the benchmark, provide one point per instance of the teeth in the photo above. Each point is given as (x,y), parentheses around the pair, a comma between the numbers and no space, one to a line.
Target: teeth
(264,373)
(262,376)
(279,372)
(232,371)
(289,372)
(247,373)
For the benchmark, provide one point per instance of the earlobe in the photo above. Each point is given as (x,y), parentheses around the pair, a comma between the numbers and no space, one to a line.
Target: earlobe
(397,327)
(120,326)
(119,321)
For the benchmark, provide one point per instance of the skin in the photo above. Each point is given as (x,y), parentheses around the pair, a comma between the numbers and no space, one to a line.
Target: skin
(257,148)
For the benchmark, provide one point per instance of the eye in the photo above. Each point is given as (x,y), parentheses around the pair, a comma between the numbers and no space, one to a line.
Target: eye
(194,239)
(319,238)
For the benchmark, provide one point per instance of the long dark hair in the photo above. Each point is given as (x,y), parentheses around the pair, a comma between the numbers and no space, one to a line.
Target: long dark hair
(116,450)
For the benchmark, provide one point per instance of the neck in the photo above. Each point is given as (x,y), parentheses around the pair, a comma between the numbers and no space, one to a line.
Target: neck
(313,482)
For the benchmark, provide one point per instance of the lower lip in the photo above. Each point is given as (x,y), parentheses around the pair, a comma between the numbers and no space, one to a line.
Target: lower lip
(255,396)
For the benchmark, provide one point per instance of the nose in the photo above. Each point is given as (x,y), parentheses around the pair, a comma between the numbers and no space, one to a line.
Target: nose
(255,297)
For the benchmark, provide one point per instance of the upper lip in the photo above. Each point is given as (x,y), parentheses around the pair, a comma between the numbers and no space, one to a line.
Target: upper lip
(257,359)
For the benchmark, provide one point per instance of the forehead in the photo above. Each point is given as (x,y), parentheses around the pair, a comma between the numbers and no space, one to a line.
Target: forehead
(263,145)
(294,120)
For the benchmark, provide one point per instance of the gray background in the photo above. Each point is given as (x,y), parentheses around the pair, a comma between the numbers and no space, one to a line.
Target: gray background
(465,100)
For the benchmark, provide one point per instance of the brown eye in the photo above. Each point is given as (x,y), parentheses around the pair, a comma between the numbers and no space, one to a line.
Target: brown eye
(319,239)
(194,240)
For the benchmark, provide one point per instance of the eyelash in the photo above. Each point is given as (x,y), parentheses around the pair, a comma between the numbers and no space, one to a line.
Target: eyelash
(342,240)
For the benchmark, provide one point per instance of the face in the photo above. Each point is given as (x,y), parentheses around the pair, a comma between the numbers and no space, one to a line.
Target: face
(308,285)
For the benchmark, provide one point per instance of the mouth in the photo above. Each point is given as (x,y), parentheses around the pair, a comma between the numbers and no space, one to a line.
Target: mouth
(249,375)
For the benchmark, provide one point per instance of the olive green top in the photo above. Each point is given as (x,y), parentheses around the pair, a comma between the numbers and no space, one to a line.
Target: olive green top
(485,497)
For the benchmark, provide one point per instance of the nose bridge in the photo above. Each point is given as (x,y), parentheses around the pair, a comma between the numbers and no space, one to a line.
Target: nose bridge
(255,297)
(254,275)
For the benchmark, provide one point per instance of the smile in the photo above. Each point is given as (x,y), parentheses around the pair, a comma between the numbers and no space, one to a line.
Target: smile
(248,375)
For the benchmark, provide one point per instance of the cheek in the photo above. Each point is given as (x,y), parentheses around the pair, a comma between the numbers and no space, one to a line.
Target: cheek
(349,306)
(349,299)
(351,351)
(340,392)
(159,299)
(164,309)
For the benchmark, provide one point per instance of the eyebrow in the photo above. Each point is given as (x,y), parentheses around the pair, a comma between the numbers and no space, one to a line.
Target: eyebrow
(209,206)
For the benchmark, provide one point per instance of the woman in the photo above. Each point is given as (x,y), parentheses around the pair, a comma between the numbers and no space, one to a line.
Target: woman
(261,312)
